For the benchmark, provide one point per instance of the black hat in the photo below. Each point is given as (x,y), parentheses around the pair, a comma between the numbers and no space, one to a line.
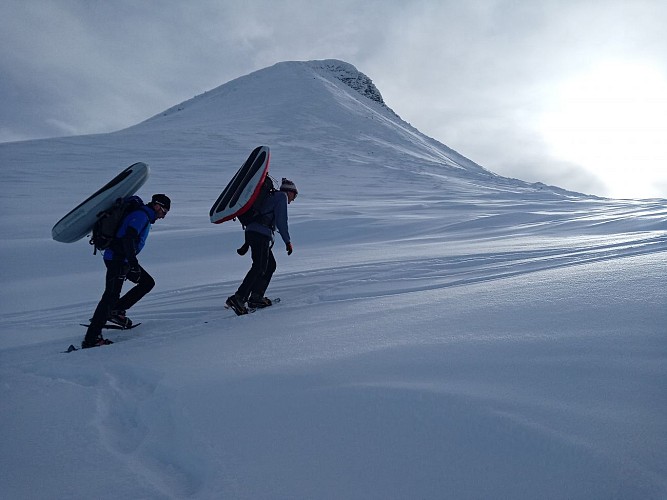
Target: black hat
(162,200)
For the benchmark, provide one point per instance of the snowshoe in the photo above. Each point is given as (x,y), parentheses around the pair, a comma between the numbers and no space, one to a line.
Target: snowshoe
(100,341)
(119,318)
(259,302)
(236,304)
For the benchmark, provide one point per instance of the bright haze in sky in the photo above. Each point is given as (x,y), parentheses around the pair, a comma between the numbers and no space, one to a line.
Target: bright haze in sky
(571,93)
(611,120)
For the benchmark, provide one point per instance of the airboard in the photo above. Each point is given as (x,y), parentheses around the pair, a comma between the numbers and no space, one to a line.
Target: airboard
(79,222)
(243,189)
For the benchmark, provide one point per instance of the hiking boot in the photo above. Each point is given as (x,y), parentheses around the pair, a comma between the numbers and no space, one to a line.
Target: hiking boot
(236,304)
(256,302)
(99,341)
(119,318)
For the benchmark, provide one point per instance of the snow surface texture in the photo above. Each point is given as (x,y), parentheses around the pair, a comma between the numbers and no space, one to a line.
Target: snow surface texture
(443,332)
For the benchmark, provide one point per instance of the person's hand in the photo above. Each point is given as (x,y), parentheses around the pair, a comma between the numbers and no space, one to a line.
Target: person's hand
(289,248)
(243,250)
(134,273)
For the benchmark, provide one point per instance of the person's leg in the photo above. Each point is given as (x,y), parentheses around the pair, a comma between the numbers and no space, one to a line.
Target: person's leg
(144,283)
(262,283)
(260,251)
(115,276)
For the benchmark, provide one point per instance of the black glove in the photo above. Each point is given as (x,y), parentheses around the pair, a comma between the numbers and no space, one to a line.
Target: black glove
(129,247)
(289,248)
(134,273)
(243,250)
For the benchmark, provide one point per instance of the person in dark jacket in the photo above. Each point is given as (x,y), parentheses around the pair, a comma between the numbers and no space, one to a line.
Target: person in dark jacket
(121,262)
(259,236)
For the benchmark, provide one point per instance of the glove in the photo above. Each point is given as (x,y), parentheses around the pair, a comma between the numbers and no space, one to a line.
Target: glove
(134,273)
(243,250)
(289,249)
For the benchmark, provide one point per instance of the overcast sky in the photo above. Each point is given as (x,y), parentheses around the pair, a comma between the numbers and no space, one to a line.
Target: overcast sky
(571,92)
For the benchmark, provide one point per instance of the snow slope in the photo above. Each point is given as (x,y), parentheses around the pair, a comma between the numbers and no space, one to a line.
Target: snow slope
(444,332)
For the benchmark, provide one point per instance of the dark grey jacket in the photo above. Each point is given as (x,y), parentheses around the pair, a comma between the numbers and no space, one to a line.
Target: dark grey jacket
(274,216)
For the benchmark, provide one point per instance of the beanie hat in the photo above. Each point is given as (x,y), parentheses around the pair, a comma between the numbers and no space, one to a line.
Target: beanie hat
(162,200)
(288,185)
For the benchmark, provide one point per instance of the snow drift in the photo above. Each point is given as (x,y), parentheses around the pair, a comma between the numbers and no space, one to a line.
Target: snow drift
(444,332)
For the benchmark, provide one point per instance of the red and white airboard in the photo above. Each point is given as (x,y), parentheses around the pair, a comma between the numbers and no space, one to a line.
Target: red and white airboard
(80,221)
(243,189)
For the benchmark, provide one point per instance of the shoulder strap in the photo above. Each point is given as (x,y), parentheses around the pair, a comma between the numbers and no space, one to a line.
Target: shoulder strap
(142,208)
(266,218)
(148,218)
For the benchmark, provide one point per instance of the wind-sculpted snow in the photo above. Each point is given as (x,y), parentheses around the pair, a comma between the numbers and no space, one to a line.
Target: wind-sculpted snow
(443,332)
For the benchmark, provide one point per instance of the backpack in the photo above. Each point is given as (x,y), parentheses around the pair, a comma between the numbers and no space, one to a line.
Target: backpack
(108,221)
(253,214)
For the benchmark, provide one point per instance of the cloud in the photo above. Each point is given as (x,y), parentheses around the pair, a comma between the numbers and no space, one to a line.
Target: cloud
(490,69)
(82,67)
(466,73)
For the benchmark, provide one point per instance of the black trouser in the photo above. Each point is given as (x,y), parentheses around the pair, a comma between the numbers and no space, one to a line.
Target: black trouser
(263,266)
(117,273)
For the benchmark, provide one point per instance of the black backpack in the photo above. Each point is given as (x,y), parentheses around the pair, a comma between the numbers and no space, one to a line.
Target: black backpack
(108,221)
(253,214)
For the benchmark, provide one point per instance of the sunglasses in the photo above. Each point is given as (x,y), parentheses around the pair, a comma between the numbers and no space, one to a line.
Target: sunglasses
(164,209)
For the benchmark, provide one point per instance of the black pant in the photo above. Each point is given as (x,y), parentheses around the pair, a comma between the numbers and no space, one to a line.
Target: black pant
(117,273)
(263,266)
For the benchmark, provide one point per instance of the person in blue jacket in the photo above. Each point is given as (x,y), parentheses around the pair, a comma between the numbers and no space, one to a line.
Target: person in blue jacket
(122,263)
(259,236)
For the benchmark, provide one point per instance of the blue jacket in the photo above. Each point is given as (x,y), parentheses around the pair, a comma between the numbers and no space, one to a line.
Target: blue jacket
(140,220)
(274,209)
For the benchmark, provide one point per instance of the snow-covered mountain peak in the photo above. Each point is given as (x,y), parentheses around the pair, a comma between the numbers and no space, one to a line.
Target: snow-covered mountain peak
(350,76)
(284,82)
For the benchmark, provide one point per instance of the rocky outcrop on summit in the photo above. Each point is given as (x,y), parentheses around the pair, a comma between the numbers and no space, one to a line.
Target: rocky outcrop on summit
(353,78)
